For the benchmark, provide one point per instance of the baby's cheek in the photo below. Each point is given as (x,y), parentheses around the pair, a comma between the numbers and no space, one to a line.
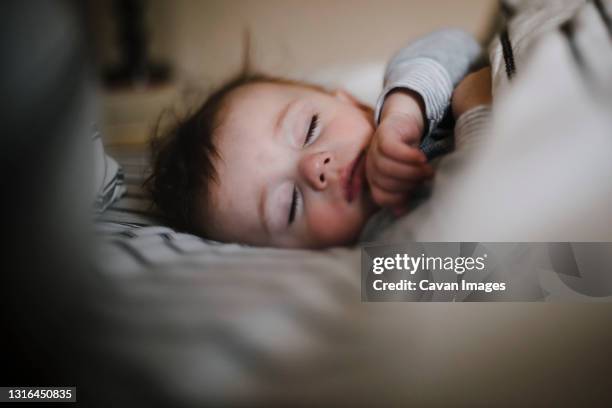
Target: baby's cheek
(333,226)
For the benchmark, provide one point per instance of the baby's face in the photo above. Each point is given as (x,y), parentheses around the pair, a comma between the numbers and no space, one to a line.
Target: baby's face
(291,170)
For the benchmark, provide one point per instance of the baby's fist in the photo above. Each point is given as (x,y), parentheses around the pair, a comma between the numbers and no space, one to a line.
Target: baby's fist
(395,165)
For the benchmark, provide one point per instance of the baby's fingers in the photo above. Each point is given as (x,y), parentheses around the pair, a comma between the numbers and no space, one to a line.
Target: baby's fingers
(404,128)
(385,198)
(381,166)
(393,147)
(392,185)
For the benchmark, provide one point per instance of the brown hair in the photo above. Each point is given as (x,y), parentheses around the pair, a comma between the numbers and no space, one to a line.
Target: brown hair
(182,159)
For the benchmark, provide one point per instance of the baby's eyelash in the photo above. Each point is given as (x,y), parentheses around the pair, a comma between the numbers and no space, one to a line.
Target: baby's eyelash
(314,123)
(294,204)
(295,197)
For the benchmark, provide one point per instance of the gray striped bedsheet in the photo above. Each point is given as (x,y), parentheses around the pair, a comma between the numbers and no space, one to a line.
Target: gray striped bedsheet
(207,318)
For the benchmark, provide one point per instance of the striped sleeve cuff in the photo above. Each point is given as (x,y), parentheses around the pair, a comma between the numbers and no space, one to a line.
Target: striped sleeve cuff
(471,125)
(425,76)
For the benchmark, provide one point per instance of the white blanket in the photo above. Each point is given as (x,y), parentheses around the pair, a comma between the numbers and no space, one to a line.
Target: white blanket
(542,171)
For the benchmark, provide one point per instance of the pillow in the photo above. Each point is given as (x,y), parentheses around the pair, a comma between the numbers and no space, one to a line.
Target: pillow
(108,175)
(363,80)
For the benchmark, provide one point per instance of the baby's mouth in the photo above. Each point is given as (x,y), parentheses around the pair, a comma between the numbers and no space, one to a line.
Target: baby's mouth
(353,178)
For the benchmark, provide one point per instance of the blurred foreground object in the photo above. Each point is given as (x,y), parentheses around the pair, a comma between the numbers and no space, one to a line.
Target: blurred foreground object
(47,111)
(51,295)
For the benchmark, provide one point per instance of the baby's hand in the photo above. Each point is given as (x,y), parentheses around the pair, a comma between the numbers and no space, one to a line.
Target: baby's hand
(395,165)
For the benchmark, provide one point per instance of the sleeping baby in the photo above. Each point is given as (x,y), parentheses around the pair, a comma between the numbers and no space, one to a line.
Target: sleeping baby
(273,162)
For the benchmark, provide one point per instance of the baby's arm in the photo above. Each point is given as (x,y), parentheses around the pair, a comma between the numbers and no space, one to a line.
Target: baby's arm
(431,66)
(418,85)
(471,107)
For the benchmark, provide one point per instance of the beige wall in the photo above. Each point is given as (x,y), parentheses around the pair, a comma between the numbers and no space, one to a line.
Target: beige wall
(204,38)
(204,42)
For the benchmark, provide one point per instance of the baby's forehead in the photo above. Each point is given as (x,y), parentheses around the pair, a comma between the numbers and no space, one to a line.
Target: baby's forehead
(251,109)
(257,93)
(253,103)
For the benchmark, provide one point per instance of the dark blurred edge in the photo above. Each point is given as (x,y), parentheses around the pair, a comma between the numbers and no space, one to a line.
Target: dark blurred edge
(52,326)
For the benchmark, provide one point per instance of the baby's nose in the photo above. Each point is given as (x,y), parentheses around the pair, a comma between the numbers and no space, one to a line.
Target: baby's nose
(314,168)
